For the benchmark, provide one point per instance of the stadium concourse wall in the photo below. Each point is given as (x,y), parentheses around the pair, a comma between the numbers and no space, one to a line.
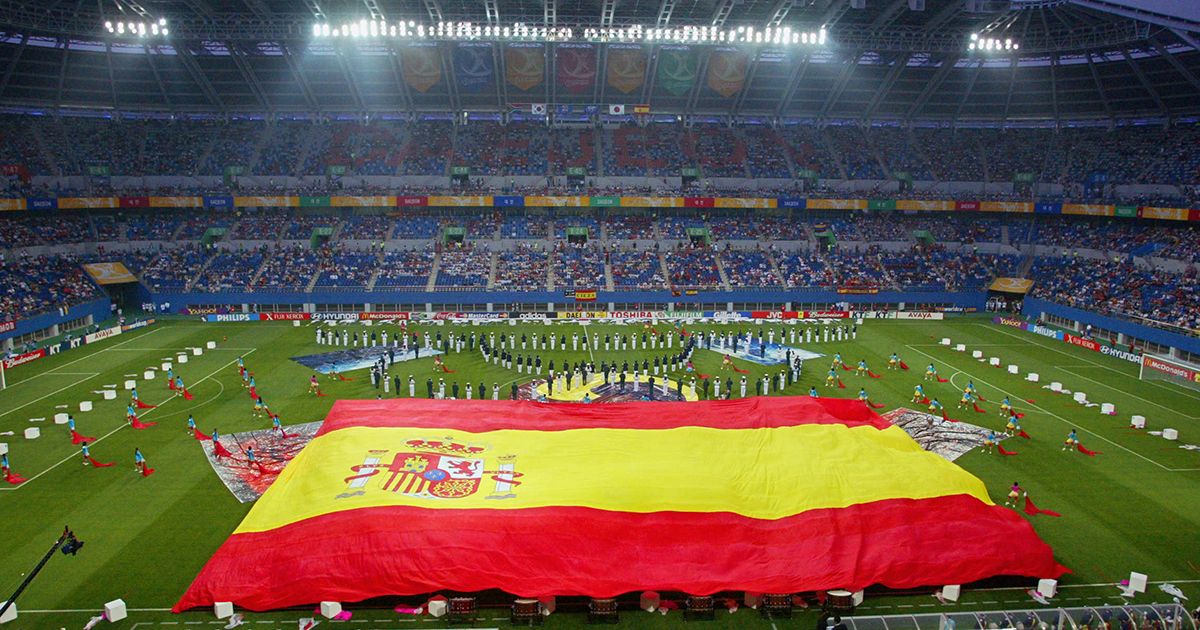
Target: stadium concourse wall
(1127,332)
(182,303)
(45,204)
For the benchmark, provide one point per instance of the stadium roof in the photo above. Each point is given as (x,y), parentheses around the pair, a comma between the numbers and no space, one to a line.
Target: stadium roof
(889,60)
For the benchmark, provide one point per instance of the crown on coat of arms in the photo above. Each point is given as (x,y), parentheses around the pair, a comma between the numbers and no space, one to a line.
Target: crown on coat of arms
(447,446)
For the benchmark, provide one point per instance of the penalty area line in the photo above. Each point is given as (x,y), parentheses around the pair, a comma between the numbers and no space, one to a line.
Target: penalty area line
(1054,415)
(123,426)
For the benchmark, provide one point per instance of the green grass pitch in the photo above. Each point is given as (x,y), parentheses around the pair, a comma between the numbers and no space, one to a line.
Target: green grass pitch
(1135,507)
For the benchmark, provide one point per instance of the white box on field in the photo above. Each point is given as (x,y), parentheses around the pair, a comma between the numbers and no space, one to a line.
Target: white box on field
(130,384)
(329,610)
(1012,369)
(1108,409)
(1138,422)
(1137,582)
(1168,434)
(148,375)
(962,347)
(109,394)
(3,448)
(977,354)
(1080,397)
(1055,386)
(85,405)
(1033,377)
(211,345)
(61,418)
(945,341)
(166,365)
(33,433)
(9,615)
(994,361)
(197,351)
(1047,587)
(181,358)
(223,610)
(951,592)
(857,598)
(115,610)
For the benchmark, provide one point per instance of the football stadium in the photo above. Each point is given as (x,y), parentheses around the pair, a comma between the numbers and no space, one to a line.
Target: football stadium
(744,314)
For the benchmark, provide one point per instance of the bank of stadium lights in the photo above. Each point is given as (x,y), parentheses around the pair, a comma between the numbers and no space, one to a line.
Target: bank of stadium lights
(467,31)
(992,44)
(130,28)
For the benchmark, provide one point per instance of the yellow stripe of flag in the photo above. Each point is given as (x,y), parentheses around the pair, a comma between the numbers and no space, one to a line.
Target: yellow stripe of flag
(764,473)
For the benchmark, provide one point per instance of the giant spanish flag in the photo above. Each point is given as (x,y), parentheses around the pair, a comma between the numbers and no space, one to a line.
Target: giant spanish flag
(410,496)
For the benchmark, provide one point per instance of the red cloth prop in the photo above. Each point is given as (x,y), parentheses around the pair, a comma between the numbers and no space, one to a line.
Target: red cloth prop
(446,369)
(76,438)
(343,378)
(1023,434)
(845,367)
(142,405)
(942,380)
(903,365)
(1034,510)
(1080,447)
(171,384)
(977,408)
(1003,451)
(96,464)
(875,405)
(186,394)
(147,471)
(947,418)
(14,478)
(221,451)
(199,435)
(841,385)
(874,375)
(253,393)
(138,424)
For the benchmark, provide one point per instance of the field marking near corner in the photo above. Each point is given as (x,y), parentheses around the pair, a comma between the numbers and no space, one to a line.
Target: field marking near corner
(1035,341)
(103,350)
(1061,419)
(124,425)
(69,386)
(1093,364)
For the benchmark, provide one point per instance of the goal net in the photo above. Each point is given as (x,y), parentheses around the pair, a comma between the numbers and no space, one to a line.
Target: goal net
(1160,368)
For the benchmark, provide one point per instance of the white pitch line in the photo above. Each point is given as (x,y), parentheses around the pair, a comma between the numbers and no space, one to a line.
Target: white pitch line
(1035,341)
(75,384)
(12,385)
(1062,419)
(116,345)
(1125,393)
(123,426)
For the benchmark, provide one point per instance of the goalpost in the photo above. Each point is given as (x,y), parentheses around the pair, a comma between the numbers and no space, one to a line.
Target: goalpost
(1159,368)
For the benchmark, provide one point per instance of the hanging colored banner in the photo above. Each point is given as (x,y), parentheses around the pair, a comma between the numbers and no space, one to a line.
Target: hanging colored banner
(626,68)
(473,67)
(676,70)
(315,202)
(134,202)
(1128,212)
(176,202)
(576,68)
(524,65)
(421,66)
(604,201)
(727,72)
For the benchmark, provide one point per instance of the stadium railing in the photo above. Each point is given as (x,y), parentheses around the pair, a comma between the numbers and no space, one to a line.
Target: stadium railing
(1172,616)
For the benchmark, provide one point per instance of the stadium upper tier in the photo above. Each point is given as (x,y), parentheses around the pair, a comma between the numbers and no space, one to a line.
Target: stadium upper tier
(1076,162)
(1128,267)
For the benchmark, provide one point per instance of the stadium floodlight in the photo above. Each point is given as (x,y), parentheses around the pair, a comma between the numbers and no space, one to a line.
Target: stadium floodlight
(521,31)
(979,42)
(156,28)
